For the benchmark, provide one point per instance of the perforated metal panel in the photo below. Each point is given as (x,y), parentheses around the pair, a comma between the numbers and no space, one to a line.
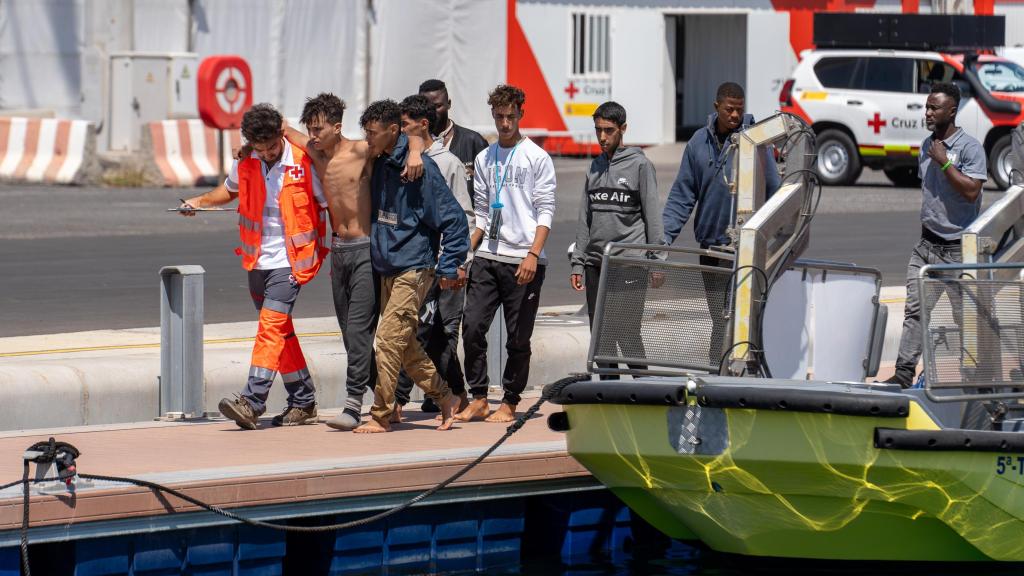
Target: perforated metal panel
(973,336)
(658,316)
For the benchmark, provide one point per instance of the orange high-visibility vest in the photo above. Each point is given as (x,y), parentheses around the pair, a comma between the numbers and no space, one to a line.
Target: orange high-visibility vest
(304,228)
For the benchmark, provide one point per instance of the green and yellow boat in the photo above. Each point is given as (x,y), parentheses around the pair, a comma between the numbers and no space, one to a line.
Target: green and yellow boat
(803,470)
(701,439)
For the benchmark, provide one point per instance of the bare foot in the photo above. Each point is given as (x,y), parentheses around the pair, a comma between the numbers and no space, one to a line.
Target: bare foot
(476,410)
(463,404)
(505,413)
(373,426)
(396,416)
(448,413)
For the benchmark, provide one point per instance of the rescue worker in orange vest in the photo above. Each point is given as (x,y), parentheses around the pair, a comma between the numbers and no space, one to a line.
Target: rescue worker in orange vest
(282,223)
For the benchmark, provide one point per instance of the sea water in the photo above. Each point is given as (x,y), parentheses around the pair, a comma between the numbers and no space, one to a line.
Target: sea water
(684,559)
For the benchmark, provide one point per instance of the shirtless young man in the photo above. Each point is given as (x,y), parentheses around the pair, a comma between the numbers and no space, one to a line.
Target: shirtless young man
(346,179)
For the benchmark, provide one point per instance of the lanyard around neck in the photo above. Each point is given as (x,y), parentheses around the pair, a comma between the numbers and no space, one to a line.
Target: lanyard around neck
(500,182)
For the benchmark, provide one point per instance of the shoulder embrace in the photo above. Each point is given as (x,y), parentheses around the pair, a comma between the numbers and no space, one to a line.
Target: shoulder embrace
(360,148)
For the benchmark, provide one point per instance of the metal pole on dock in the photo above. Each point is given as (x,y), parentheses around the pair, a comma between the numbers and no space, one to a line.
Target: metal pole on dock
(182,388)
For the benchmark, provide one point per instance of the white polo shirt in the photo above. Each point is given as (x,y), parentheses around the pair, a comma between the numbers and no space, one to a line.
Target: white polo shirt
(273,254)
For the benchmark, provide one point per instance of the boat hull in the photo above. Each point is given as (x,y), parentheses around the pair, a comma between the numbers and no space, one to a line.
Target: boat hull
(804,485)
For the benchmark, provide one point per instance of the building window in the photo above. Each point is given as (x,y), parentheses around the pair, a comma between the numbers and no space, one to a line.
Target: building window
(591,46)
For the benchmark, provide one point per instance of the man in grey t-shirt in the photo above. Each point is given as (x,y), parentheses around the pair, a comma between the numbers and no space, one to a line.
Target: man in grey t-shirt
(952,170)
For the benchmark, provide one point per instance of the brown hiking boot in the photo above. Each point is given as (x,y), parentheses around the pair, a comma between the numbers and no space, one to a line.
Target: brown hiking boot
(240,411)
(295,416)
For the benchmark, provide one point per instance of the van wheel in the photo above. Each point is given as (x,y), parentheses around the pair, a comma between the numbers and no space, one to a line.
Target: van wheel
(999,162)
(903,176)
(838,161)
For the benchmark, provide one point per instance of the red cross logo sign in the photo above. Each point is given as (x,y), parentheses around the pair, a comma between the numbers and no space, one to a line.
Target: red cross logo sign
(296,173)
(877,123)
(571,90)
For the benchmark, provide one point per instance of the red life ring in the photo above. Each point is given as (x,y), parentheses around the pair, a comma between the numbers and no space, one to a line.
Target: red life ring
(224,91)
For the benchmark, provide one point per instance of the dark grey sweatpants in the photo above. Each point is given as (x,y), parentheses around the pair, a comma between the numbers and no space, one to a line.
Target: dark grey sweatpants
(356,297)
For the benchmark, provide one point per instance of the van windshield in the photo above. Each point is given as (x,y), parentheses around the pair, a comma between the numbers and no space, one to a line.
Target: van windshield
(1001,76)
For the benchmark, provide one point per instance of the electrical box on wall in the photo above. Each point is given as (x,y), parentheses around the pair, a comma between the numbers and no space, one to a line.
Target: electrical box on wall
(148,87)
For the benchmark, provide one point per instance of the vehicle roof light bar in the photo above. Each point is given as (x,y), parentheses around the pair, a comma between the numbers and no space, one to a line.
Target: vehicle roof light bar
(940,32)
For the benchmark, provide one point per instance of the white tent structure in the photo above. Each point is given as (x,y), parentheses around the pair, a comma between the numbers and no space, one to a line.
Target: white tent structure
(55,54)
(660,58)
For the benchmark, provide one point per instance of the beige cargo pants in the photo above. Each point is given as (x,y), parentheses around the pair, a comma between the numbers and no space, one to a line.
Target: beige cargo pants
(397,346)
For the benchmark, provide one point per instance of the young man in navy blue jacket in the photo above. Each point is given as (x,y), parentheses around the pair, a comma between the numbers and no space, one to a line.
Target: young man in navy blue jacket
(413,223)
(701,185)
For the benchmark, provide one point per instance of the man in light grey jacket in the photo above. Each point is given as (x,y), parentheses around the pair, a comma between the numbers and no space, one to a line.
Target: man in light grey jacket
(620,204)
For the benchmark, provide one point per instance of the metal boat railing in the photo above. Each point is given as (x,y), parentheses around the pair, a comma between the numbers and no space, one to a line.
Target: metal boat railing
(671,316)
(997,235)
(659,317)
(972,324)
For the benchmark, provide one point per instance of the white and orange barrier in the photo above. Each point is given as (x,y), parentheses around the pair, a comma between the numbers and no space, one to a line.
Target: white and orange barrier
(185,151)
(44,149)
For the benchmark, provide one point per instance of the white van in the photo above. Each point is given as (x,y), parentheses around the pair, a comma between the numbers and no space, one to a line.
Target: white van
(866,107)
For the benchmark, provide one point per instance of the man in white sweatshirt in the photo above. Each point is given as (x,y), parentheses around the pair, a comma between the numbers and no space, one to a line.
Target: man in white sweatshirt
(514,192)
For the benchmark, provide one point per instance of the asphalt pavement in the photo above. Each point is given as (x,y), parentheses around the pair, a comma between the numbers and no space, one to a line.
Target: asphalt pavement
(88,258)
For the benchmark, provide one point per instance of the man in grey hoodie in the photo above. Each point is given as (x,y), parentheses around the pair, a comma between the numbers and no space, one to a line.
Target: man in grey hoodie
(701,183)
(620,204)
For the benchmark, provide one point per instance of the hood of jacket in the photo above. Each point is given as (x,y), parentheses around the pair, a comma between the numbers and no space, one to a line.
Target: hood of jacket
(624,154)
